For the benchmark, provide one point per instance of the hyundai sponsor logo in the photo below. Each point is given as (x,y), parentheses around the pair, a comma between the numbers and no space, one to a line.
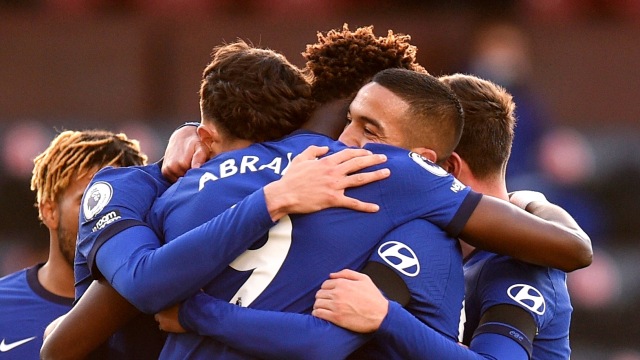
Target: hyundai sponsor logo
(527,296)
(400,257)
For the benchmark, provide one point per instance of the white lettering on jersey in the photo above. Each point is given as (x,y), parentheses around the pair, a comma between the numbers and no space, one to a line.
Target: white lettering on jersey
(527,296)
(96,198)
(107,219)
(400,257)
(206,177)
(247,164)
(228,168)
(457,186)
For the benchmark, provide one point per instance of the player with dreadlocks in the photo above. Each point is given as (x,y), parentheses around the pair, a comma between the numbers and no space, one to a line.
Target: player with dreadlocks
(33,297)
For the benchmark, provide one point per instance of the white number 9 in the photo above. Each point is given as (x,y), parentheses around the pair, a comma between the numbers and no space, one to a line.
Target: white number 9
(265,263)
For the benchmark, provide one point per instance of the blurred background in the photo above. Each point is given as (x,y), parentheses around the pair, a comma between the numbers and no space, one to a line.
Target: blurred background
(134,66)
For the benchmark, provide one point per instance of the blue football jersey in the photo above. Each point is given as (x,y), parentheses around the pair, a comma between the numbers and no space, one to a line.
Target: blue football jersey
(429,262)
(115,199)
(492,279)
(425,258)
(285,267)
(26,308)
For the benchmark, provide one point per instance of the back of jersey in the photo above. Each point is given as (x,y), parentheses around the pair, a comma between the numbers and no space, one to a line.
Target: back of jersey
(283,270)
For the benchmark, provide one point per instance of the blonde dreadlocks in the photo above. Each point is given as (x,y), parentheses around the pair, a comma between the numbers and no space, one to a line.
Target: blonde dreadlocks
(75,154)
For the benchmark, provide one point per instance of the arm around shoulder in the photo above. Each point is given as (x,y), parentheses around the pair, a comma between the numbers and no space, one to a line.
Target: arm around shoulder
(547,238)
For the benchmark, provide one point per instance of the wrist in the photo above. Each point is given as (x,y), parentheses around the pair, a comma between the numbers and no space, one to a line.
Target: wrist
(277,200)
(189,123)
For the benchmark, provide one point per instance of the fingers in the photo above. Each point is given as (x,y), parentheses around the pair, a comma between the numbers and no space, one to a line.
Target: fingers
(365,177)
(311,153)
(347,274)
(358,163)
(324,314)
(357,205)
(346,155)
(200,156)
(174,172)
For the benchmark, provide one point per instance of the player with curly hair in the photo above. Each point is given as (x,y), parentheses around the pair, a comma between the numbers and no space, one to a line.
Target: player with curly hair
(342,61)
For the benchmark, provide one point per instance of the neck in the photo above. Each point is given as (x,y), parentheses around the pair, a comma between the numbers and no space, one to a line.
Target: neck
(56,275)
(492,187)
(230,145)
(329,118)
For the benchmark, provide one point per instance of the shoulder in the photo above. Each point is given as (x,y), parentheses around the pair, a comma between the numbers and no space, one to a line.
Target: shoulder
(12,279)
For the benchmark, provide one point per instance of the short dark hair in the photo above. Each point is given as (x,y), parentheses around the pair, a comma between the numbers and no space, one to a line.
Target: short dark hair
(490,120)
(254,94)
(435,117)
(342,61)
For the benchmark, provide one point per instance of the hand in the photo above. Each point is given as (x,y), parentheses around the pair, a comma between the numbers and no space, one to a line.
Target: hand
(168,320)
(523,198)
(351,300)
(311,184)
(185,151)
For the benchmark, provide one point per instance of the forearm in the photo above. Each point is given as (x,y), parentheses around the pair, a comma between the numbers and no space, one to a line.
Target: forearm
(503,228)
(97,315)
(288,335)
(555,214)
(152,277)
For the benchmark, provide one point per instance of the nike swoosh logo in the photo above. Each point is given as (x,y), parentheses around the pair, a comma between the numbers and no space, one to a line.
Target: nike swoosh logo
(6,347)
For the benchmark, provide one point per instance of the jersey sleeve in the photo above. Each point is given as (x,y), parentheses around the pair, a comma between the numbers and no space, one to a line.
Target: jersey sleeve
(415,340)
(115,199)
(429,263)
(268,334)
(504,280)
(418,188)
(152,275)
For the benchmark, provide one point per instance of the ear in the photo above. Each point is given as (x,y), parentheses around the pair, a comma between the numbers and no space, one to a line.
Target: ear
(207,135)
(50,214)
(429,154)
(453,165)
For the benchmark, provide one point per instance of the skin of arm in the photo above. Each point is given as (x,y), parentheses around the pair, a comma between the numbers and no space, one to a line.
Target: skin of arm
(556,242)
(107,310)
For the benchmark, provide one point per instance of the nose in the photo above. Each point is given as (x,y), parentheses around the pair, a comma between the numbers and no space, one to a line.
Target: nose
(348,137)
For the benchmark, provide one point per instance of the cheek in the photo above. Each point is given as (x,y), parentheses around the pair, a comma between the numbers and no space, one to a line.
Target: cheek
(69,217)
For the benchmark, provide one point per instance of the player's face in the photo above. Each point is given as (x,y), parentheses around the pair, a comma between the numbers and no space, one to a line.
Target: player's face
(375,115)
(69,208)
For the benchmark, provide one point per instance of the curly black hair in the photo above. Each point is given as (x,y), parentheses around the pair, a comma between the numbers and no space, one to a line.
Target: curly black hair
(342,61)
